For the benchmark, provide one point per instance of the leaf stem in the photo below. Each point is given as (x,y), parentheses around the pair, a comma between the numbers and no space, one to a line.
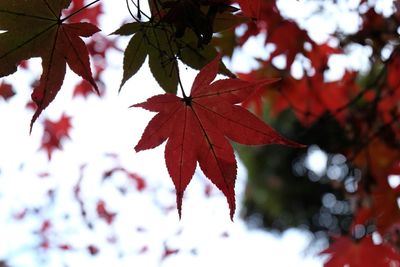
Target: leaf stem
(140,12)
(130,12)
(139,15)
(185,97)
(79,10)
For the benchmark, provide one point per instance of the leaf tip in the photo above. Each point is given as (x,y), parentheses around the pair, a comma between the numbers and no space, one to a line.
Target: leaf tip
(96,89)
(232,207)
(138,105)
(121,85)
(137,148)
(293,144)
(34,118)
(179,196)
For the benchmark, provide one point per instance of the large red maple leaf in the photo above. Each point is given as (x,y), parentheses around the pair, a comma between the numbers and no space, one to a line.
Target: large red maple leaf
(197,128)
(35,28)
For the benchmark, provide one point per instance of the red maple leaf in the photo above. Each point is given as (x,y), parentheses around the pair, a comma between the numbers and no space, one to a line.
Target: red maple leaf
(347,252)
(83,89)
(6,91)
(197,128)
(54,133)
(36,28)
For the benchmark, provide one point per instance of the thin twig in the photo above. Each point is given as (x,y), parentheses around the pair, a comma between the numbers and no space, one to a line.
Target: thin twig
(79,10)
(130,11)
(139,10)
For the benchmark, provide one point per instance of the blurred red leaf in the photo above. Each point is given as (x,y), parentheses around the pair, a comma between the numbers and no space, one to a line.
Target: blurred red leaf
(46,225)
(168,252)
(104,213)
(386,203)
(289,40)
(65,247)
(347,252)
(143,250)
(6,91)
(20,215)
(319,55)
(83,89)
(93,250)
(54,133)
(140,182)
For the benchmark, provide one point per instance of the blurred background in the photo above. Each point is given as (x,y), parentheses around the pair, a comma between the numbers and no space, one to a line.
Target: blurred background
(74,192)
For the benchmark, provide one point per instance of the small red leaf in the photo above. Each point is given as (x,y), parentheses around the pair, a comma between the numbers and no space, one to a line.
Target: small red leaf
(93,250)
(6,91)
(65,247)
(54,133)
(140,182)
(104,213)
(168,252)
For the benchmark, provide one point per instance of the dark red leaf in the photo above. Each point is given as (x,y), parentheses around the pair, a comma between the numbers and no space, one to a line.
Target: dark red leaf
(93,250)
(6,91)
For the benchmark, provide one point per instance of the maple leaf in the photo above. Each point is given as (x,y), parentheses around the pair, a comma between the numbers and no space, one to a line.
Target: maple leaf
(6,91)
(156,39)
(54,133)
(197,128)
(35,28)
(83,89)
